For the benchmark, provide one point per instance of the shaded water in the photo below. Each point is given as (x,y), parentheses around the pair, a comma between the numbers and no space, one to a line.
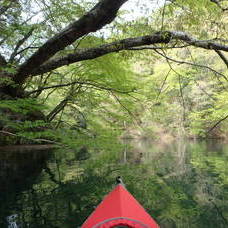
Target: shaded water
(183,184)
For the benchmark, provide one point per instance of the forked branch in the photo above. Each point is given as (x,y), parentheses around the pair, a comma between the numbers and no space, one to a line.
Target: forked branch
(103,13)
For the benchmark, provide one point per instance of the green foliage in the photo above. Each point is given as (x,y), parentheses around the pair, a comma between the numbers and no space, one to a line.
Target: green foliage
(23,106)
(86,106)
(106,91)
(184,96)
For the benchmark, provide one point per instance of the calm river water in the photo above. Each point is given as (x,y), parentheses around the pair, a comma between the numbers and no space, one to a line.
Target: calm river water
(181,184)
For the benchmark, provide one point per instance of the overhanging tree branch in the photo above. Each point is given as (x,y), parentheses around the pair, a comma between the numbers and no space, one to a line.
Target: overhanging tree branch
(205,44)
(103,13)
(223,57)
(128,44)
(19,43)
(92,53)
(157,47)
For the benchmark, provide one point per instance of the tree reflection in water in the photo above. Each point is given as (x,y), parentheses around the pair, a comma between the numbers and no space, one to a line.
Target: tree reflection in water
(183,184)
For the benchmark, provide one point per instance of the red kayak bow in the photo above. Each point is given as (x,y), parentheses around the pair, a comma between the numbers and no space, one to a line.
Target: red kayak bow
(119,208)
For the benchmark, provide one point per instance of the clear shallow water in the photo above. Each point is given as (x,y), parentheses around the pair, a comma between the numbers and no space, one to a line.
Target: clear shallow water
(181,184)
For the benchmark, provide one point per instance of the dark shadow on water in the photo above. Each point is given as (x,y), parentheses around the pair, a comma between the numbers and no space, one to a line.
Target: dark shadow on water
(19,168)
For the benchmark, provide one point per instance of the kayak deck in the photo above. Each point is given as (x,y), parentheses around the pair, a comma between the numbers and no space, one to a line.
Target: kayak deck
(120,209)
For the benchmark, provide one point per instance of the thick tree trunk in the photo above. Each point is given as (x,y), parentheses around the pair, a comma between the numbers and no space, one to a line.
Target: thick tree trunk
(101,14)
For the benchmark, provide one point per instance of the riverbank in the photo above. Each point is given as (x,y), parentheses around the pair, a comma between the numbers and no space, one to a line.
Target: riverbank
(26,148)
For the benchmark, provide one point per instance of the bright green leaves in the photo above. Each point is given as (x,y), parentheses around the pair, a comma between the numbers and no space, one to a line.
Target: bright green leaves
(202,18)
(23,106)
(98,90)
(23,120)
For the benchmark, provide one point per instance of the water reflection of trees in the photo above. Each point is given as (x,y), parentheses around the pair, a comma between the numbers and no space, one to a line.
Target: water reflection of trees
(19,168)
(186,180)
(181,185)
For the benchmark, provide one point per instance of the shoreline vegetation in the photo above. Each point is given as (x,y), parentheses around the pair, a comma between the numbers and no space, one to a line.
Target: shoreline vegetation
(156,133)
(91,74)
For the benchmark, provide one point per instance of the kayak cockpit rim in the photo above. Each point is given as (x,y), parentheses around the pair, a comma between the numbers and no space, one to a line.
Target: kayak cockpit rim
(121,218)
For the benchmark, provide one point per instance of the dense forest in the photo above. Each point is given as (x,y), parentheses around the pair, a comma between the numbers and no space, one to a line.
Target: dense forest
(81,79)
(72,69)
